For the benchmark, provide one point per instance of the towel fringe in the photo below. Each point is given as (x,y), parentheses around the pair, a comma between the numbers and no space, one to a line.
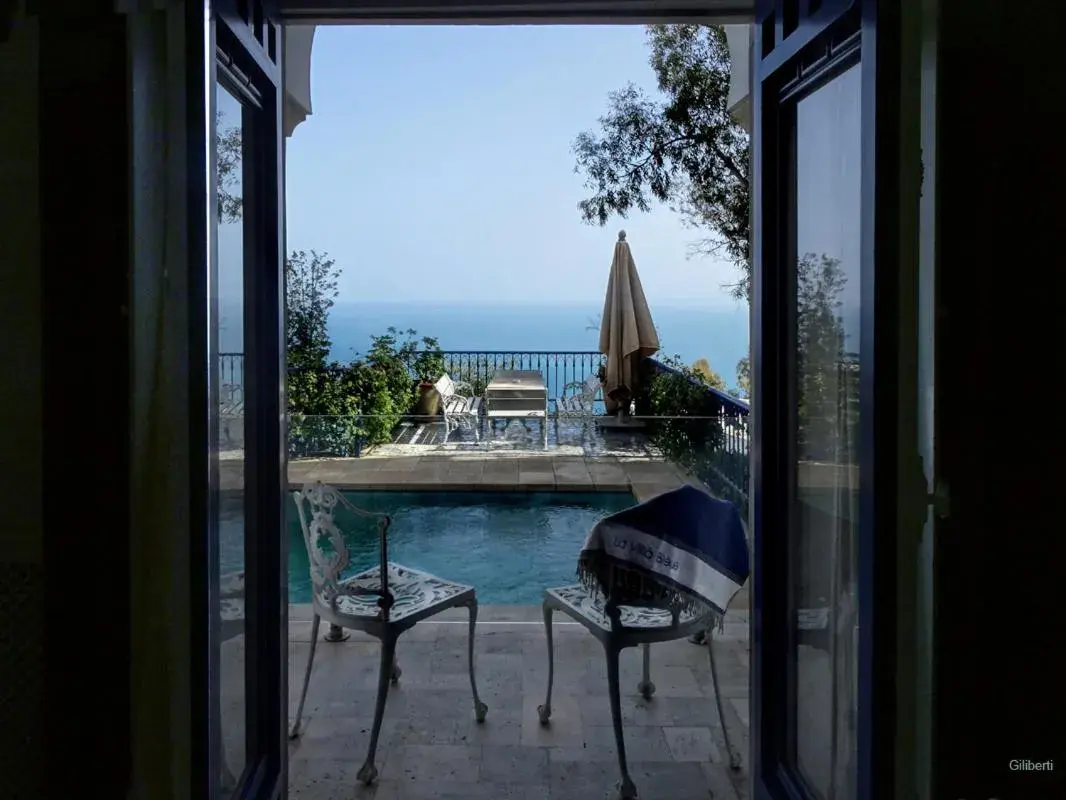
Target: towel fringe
(607,578)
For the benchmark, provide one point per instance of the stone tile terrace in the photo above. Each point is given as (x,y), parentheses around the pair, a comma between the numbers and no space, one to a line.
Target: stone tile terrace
(431,747)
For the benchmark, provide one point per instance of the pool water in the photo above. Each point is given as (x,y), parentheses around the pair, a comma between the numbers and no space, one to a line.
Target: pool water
(509,546)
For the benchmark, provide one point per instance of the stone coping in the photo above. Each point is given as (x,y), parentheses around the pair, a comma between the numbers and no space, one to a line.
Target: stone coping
(476,472)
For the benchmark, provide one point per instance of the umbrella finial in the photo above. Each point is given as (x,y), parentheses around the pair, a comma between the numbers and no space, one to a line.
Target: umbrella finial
(621,236)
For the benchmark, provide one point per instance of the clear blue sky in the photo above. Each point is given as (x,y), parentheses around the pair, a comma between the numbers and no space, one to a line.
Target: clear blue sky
(437,166)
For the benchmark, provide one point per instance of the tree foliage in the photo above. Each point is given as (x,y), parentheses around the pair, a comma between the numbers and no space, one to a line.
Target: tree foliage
(229,148)
(685,150)
(310,291)
(827,390)
(744,378)
(702,367)
(323,402)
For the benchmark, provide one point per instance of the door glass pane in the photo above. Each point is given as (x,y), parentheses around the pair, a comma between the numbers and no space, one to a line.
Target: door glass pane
(230,332)
(824,513)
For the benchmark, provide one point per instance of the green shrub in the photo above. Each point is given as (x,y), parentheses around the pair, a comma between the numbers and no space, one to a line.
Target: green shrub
(324,413)
(427,363)
(688,430)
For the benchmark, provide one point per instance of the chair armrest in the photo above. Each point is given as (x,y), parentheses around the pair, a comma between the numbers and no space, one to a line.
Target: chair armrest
(460,401)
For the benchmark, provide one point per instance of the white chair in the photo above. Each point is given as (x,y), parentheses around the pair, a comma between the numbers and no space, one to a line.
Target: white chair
(231,416)
(577,401)
(460,410)
(384,601)
(619,624)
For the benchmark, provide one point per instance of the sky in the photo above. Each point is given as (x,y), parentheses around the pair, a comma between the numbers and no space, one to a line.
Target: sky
(437,167)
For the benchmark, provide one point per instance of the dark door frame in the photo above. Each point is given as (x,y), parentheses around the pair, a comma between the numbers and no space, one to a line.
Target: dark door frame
(878,75)
(246,60)
(797,47)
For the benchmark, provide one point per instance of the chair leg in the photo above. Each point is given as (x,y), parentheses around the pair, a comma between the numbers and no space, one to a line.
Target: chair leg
(368,772)
(337,634)
(545,711)
(480,709)
(646,687)
(734,757)
(395,672)
(626,789)
(315,622)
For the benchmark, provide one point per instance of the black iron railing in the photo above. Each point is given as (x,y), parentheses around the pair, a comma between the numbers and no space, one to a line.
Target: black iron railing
(559,369)
(720,456)
(721,460)
(231,371)
(478,366)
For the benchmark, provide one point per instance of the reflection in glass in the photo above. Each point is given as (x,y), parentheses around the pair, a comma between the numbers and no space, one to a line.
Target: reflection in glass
(229,320)
(825,509)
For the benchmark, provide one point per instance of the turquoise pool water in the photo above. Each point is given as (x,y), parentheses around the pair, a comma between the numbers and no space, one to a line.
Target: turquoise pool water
(509,546)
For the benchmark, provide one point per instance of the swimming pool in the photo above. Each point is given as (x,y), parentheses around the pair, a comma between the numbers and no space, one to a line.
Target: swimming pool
(509,546)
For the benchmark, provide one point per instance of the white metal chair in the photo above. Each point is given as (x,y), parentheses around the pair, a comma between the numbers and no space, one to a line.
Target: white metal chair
(577,401)
(618,624)
(231,416)
(460,410)
(384,601)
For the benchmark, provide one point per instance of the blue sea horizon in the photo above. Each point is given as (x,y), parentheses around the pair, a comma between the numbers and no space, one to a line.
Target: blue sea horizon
(718,334)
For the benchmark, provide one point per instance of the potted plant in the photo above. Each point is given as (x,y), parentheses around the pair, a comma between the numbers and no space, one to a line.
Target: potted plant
(428,367)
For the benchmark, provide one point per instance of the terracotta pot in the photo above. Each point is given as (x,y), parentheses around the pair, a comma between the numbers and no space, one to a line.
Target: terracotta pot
(428,403)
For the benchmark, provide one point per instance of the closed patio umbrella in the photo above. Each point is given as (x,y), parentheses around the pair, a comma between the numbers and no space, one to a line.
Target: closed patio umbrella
(627,334)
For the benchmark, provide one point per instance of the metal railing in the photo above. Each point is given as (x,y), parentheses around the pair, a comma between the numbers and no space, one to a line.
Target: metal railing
(723,462)
(558,368)
(231,370)
(478,366)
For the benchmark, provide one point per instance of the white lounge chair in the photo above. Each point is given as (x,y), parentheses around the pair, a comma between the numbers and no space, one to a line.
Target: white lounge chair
(460,407)
(577,401)
(384,601)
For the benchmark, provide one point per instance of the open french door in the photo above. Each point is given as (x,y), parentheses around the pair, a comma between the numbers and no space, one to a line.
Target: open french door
(825,245)
(244,554)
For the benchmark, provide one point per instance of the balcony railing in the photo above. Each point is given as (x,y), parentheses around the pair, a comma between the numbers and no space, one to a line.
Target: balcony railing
(716,442)
(559,369)
(719,457)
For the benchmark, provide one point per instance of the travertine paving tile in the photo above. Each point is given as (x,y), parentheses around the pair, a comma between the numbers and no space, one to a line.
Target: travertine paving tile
(432,747)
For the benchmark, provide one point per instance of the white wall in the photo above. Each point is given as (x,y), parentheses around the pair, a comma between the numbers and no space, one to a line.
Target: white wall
(739,39)
(297,81)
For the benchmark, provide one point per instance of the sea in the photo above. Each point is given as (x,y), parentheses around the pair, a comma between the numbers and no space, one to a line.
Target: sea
(718,334)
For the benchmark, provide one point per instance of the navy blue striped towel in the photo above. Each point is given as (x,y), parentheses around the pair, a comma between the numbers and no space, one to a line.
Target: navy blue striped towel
(683,549)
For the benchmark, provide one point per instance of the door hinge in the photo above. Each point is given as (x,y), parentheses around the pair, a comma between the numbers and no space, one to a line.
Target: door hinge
(940,499)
